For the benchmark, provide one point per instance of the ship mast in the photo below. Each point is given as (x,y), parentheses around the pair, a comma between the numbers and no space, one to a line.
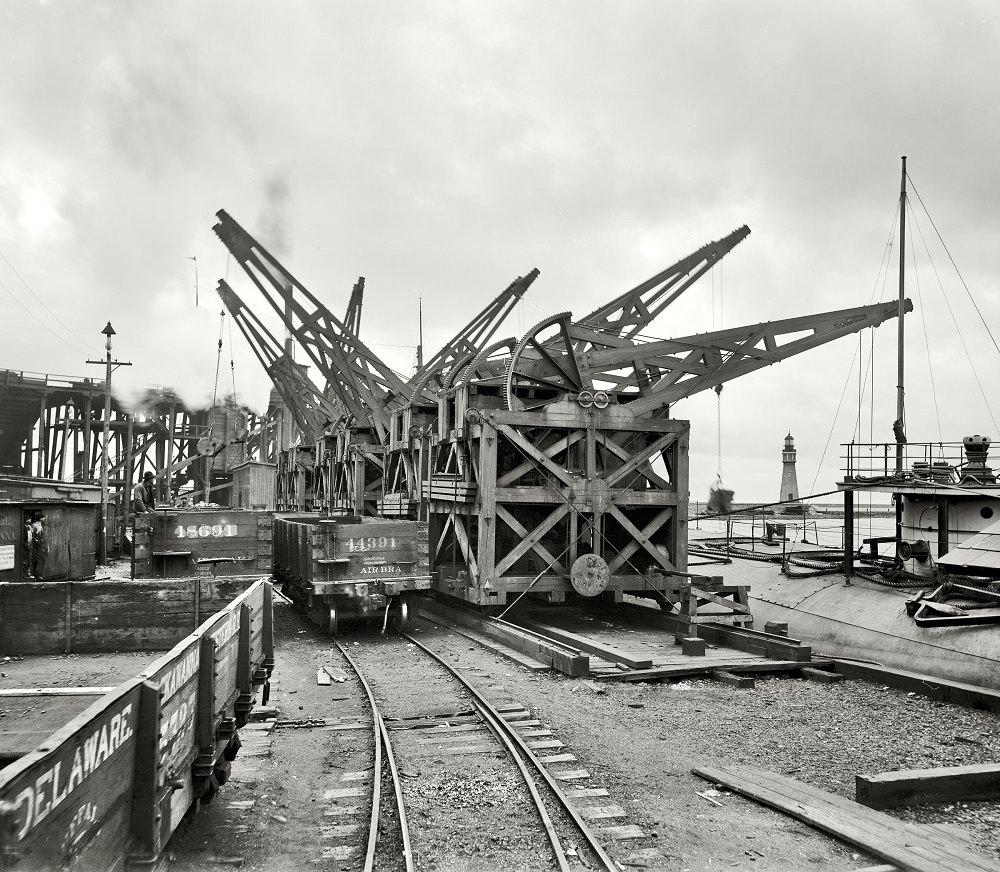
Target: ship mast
(898,428)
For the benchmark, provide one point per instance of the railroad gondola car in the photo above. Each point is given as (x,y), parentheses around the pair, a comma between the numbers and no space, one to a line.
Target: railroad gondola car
(107,788)
(174,542)
(351,568)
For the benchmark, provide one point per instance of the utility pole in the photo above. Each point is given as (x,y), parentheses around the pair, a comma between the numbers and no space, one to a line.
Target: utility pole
(109,364)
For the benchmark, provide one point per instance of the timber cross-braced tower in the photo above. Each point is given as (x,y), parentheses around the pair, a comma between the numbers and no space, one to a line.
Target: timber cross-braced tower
(548,463)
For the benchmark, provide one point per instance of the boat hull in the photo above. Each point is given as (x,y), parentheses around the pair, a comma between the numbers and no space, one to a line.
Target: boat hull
(866,621)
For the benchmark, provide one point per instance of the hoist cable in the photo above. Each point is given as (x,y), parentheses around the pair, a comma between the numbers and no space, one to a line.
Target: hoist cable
(880,276)
(218,358)
(232,363)
(718,415)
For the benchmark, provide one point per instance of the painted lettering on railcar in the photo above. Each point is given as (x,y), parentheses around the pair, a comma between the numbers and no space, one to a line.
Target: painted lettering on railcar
(206,531)
(62,779)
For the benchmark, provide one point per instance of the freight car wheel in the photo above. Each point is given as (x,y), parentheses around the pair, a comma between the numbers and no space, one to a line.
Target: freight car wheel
(331,621)
(401,618)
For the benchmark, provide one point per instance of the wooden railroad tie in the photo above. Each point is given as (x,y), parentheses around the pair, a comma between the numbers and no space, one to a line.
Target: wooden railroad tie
(973,783)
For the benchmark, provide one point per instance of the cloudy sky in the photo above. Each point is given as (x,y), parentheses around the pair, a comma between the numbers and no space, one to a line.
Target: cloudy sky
(441,149)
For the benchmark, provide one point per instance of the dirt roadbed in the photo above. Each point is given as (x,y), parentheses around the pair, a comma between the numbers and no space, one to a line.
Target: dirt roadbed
(639,741)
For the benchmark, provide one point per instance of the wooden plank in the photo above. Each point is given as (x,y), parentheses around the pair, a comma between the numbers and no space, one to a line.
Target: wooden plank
(585,792)
(980,781)
(755,641)
(582,643)
(558,656)
(911,846)
(968,695)
(821,675)
(740,681)
(706,668)
(449,737)
(571,775)
(621,833)
(602,812)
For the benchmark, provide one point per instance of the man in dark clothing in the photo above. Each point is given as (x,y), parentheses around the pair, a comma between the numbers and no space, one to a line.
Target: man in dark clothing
(27,549)
(144,495)
(40,549)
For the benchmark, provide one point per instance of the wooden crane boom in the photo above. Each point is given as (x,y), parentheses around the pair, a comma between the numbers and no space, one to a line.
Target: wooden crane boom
(644,376)
(312,411)
(628,314)
(468,342)
(362,381)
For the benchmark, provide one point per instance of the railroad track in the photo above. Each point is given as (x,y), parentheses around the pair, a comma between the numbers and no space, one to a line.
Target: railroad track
(453,772)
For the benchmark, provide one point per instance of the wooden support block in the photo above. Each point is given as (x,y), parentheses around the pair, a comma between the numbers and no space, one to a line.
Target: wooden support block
(914,847)
(778,628)
(322,678)
(980,781)
(691,646)
(741,681)
(821,675)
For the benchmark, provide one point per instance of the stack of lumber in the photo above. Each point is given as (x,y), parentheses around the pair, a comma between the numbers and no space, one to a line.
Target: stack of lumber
(449,488)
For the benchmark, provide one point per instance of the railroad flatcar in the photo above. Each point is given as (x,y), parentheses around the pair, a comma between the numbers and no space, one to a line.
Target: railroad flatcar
(110,785)
(351,568)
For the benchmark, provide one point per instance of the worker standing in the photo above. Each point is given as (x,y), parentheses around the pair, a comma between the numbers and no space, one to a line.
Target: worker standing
(27,549)
(144,495)
(40,546)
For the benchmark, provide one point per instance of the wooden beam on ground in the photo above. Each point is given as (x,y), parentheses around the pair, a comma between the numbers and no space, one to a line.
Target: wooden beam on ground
(582,643)
(744,682)
(822,676)
(706,668)
(981,781)
(969,695)
(913,847)
(558,656)
(756,641)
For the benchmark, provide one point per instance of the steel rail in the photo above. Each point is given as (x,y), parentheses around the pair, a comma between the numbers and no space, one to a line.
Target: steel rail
(381,735)
(506,733)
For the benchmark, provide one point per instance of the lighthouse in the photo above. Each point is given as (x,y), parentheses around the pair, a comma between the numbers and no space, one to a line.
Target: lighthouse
(789,483)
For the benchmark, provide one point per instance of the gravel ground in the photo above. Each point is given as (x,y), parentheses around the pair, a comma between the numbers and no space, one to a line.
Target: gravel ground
(637,740)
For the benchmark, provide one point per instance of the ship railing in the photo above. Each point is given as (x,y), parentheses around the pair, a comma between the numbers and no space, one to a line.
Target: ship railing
(869,462)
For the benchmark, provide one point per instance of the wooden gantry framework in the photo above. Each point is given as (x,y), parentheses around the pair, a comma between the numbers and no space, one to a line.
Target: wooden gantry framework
(526,454)
(52,427)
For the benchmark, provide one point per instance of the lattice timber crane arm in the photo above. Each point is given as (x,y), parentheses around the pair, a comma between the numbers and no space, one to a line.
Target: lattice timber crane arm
(643,376)
(630,313)
(467,343)
(312,411)
(360,378)
(352,320)
(613,325)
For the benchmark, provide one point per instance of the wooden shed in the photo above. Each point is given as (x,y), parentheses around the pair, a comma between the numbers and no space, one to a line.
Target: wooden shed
(71,531)
(254,486)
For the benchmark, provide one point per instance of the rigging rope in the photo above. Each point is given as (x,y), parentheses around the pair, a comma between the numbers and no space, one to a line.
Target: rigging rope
(218,359)
(954,320)
(955,265)
(923,323)
(232,363)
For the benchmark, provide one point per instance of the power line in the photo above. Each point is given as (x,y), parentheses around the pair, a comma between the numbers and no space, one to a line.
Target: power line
(69,330)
